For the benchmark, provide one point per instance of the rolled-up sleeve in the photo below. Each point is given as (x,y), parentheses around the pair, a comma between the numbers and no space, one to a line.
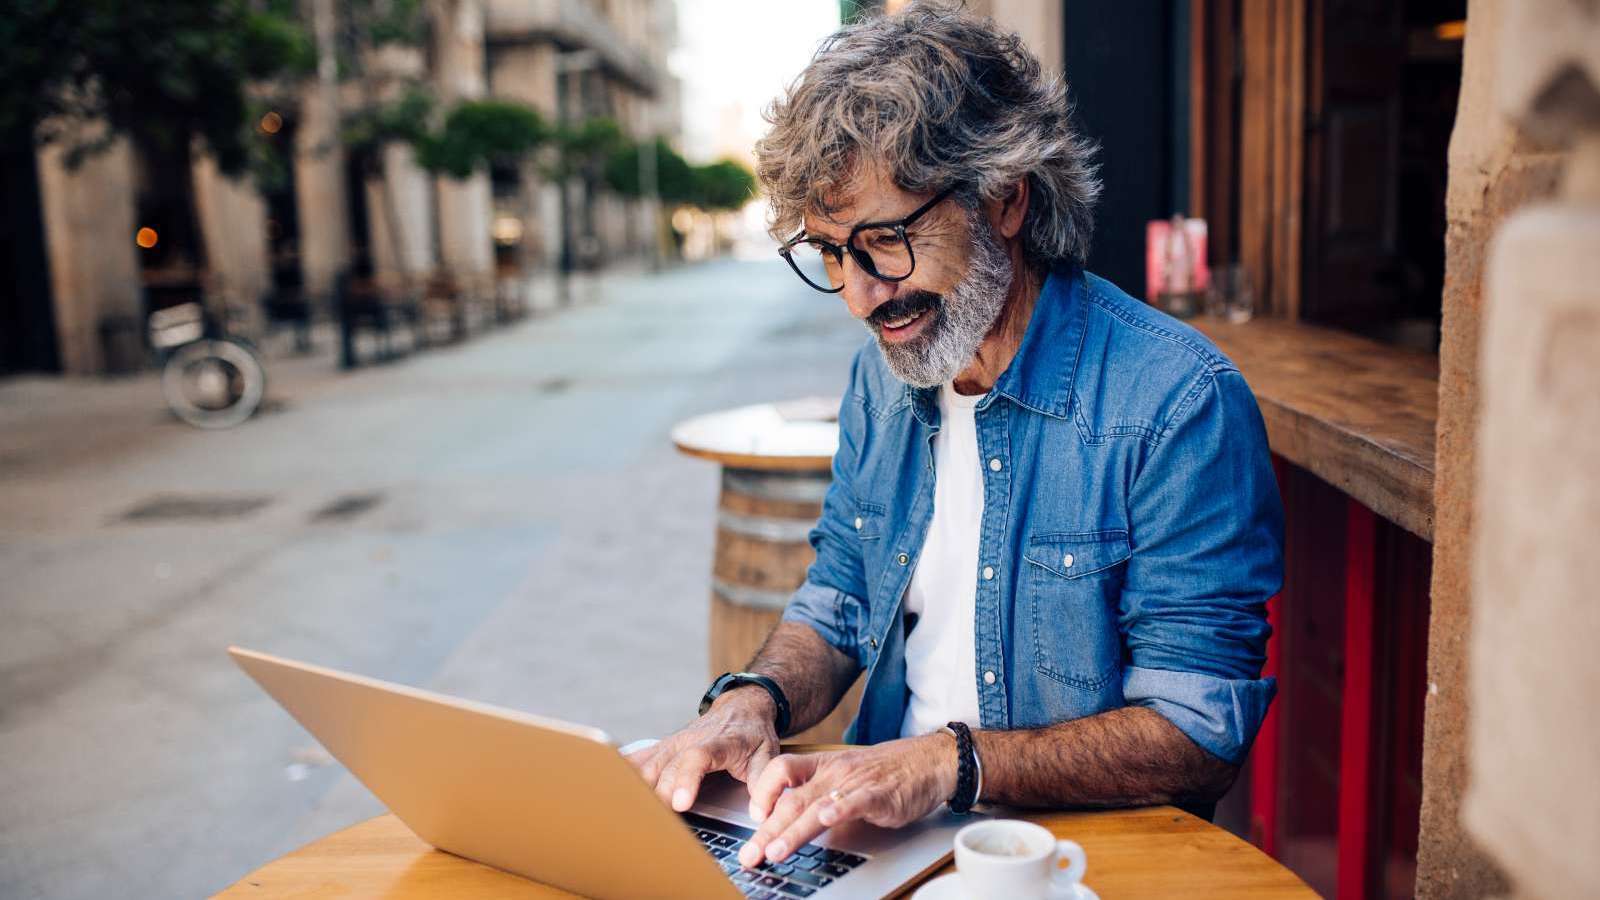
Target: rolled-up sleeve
(832,599)
(1207,527)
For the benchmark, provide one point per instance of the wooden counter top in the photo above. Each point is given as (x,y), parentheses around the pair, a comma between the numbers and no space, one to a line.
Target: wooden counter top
(1358,414)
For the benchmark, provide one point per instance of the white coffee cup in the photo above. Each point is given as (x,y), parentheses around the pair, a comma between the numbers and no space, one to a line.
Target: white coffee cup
(1009,859)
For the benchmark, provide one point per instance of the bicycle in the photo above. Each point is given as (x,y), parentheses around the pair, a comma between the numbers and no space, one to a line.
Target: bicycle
(210,378)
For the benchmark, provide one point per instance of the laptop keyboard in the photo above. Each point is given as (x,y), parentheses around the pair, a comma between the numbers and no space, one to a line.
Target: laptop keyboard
(806,871)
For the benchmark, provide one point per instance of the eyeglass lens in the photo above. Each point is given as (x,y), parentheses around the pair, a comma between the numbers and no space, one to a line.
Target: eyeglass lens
(881,251)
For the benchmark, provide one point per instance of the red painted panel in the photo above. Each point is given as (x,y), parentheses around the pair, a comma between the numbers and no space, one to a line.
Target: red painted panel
(1356,757)
(1264,770)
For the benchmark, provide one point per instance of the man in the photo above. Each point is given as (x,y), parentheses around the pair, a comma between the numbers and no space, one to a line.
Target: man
(1053,524)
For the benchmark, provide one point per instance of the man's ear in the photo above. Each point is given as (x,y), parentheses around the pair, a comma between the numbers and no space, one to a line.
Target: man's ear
(1007,213)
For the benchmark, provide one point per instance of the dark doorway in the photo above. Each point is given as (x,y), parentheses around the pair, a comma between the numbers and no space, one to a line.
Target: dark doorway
(1382,87)
(1126,67)
(27,319)
(276,180)
(359,166)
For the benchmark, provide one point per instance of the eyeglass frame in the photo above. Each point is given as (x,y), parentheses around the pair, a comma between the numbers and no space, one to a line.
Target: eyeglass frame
(862,257)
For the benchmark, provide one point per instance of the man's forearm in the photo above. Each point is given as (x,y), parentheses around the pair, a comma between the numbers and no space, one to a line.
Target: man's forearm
(1131,756)
(812,673)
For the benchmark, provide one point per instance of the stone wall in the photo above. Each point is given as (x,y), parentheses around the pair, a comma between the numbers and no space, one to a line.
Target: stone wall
(89,226)
(526,73)
(1533,790)
(233,219)
(1493,170)
(465,207)
(319,178)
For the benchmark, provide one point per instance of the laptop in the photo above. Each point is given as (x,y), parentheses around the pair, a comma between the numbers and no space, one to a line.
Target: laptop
(557,803)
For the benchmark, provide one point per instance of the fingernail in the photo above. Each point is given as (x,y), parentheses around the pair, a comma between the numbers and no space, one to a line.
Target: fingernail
(680,799)
(827,815)
(777,850)
(757,814)
(749,856)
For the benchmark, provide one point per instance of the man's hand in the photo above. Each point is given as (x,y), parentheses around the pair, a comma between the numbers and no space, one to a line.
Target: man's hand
(892,784)
(736,735)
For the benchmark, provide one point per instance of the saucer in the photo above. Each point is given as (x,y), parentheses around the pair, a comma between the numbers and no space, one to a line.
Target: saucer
(948,887)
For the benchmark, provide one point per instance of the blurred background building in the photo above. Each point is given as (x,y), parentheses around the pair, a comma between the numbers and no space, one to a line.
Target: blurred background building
(329,201)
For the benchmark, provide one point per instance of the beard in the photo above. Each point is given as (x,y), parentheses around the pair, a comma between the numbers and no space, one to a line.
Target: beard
(960,318)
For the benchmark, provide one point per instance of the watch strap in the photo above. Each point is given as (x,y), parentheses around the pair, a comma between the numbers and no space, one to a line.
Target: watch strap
(730,680)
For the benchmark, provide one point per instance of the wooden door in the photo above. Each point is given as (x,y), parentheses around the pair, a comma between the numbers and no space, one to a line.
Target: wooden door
(1352,268)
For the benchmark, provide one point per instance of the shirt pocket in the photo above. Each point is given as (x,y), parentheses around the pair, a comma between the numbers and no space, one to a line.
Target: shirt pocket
(868,520)
(1070,584)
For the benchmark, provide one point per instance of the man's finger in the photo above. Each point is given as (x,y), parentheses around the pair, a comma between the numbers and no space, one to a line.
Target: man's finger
(786,771)
(843,804)
(639,759)
(686,781)
(757,763)
(789,807)
(800,830)
(694,759)
(655,759)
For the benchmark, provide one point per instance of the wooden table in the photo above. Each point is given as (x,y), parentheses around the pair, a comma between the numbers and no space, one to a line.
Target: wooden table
(1152,852)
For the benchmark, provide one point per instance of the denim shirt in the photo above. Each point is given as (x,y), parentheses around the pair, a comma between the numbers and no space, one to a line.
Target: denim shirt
(1131,518)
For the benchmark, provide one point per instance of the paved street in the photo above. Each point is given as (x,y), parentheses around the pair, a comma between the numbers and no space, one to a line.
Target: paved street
(504,521)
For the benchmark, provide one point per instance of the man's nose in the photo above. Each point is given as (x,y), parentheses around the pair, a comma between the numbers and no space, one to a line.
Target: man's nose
(863,293)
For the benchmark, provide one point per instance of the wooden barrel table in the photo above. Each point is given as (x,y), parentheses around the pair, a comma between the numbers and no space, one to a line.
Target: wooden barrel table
(776,466)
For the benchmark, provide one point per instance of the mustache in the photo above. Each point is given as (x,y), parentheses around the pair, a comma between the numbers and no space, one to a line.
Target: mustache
(900,307)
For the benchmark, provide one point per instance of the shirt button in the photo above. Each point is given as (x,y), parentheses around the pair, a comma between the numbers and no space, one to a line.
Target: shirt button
(873,643)
(1066,561)
(994,464)
(988,573)
(902,559)
(988,678)
(858,523)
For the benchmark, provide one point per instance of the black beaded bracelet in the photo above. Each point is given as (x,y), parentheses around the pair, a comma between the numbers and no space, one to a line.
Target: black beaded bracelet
(966,792)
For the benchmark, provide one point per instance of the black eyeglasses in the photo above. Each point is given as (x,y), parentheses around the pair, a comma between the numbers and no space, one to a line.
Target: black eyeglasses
(881,249)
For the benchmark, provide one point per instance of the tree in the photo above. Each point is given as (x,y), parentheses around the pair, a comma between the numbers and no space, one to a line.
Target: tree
(478,134)
(583,149)
(723,186)
(161,72)
(395,107)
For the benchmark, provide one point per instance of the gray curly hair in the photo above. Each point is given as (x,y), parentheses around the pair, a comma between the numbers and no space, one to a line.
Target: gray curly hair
(936,96)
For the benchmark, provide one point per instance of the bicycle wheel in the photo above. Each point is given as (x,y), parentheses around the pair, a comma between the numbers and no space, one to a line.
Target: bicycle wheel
(214,383)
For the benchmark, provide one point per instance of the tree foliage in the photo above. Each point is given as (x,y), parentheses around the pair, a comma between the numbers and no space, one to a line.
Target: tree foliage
(402,120)
(582,150)
(479,134)
(723,186)
(162,72)
(720,186)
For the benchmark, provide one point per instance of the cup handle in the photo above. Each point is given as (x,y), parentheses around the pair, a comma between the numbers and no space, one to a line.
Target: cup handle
(1078,863)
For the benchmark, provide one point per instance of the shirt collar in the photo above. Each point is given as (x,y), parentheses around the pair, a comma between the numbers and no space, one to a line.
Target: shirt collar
(1040,377)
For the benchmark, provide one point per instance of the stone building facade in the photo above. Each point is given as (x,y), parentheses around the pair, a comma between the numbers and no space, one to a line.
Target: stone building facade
(569,59)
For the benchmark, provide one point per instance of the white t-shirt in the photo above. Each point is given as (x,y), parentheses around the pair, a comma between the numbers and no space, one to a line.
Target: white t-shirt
(941,651)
